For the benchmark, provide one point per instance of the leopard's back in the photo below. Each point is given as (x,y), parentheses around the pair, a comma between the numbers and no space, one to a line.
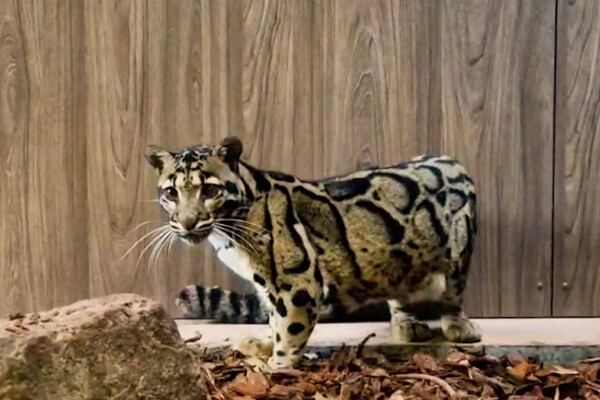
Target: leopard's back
(382,232)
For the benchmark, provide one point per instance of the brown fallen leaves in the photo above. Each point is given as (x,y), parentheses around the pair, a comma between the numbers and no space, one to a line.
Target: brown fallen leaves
(358,373)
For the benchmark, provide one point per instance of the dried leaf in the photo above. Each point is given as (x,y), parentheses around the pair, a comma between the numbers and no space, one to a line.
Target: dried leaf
(387,384)
(379,358)
(480,378)
(430,378)
(459,359)
(522,372)
(589,371)
(344,375)
(516,359)
(552,381)
(519,372)
(485,359)
(378,373)
(282,391)
(306,387)
(488,392)
(594,386)
(544,372)
(397,395)
(287,372)
(252,384)
(425,362)
(345,391)
(537,392)
(557,369)
(591,360)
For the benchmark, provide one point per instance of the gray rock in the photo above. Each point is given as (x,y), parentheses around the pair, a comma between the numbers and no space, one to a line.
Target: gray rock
(116,347)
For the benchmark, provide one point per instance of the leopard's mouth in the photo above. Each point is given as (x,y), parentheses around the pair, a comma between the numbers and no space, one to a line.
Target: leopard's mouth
(195,237)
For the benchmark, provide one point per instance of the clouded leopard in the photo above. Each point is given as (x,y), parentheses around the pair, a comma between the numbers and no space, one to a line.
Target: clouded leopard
(402,233)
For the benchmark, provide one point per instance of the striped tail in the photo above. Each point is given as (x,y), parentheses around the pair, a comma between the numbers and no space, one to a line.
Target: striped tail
(221,305)
(227,307)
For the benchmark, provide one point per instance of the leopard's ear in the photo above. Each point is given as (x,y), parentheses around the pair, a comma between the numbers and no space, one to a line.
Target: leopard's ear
(230,150)
(158,157)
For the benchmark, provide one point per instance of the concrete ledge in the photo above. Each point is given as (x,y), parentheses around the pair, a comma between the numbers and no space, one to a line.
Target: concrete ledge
(550,339)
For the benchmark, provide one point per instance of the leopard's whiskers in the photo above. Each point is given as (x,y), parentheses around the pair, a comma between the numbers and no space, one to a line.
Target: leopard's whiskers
(244,228)
(163,230)
(138,226)
(246,223)
(228,229)
(235,242)
(158,248)
(154,231)
(167,245)
(243,232)
(155,249)
(172,239)
(160,236)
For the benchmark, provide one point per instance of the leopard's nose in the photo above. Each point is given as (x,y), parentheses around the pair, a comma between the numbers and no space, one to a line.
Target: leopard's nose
(189,223)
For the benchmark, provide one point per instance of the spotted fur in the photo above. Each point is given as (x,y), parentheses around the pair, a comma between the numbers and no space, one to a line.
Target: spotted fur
(402,233)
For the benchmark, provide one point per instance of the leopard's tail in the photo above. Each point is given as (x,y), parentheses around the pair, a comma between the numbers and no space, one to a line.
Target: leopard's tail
(221,305)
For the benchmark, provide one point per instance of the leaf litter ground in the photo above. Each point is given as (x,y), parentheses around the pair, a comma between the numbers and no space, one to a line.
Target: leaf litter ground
(362,373)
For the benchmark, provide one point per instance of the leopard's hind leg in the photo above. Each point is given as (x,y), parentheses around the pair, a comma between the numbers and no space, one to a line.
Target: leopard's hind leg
(456,326)
(407,314)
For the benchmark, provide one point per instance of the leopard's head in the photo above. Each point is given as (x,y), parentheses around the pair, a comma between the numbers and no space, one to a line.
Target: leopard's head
(199,186)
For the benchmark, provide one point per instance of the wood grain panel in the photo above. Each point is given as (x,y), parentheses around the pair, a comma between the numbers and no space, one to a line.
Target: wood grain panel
(381,81)
(497,102)
(471,79)
(277,87)
(43,254)
(577,162)
(116,80)
(314,88)
(13,149)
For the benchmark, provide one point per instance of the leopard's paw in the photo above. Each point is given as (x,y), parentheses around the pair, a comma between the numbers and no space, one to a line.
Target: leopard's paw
(460,329)
(253,347)
(282,362)
(257,365)
(410,330)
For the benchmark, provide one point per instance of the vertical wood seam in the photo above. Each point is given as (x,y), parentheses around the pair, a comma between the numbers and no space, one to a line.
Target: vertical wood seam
(553,196)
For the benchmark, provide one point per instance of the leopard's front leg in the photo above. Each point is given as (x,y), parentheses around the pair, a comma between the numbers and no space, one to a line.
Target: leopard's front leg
(293,322)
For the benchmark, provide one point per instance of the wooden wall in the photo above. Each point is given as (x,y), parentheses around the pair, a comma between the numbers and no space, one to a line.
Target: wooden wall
(577,164)
(314,88)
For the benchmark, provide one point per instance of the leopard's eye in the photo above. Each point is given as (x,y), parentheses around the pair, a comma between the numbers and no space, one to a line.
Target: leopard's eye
(210,191)
(170,193)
